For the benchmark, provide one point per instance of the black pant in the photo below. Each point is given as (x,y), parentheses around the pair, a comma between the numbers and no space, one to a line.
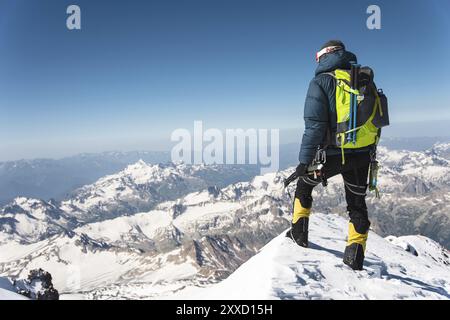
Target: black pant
(354,173)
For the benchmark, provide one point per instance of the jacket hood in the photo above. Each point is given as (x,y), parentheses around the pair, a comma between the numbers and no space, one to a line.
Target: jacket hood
(336,60)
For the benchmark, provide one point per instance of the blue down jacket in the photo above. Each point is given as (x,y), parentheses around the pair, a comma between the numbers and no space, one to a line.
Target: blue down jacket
(320,107)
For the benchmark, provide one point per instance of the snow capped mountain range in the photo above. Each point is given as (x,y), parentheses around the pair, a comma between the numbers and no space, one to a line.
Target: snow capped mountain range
(30,220)
(141,186)
(50,178)
(199,238)
(138,187)
(441,150)
(150,231)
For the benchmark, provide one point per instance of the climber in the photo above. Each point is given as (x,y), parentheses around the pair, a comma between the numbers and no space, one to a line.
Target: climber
(341,120)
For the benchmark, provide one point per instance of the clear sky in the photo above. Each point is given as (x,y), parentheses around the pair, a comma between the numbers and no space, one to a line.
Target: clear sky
(139,69)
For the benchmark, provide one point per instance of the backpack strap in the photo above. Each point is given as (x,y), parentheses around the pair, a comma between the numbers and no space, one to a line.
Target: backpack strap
(333,74)
(330,74)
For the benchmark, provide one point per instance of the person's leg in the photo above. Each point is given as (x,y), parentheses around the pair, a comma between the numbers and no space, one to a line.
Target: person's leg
(302,209)
(355,180)
(303,202)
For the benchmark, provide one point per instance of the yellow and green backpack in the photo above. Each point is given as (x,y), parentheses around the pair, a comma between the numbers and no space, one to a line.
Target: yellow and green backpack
(372,110)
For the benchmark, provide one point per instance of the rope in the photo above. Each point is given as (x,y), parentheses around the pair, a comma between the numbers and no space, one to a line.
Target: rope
(348,185)
(310,182)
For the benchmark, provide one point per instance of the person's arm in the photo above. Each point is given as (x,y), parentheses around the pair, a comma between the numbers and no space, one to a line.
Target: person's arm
(316,122)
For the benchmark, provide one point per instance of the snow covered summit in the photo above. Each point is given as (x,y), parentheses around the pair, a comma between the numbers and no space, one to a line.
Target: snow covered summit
(283,270)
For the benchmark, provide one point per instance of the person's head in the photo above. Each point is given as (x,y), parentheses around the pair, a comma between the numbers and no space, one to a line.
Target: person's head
(329,47)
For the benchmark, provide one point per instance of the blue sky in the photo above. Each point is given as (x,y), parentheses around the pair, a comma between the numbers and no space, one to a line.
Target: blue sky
(139,69)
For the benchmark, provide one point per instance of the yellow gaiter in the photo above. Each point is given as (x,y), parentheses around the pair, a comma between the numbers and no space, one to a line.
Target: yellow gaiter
(299,211)
(355,237)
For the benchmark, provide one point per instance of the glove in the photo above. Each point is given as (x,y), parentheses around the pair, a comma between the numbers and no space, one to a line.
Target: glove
(301,169)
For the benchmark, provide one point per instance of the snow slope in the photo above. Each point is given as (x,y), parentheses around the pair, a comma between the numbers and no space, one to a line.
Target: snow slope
(283,270)
(7,291)
(9,295)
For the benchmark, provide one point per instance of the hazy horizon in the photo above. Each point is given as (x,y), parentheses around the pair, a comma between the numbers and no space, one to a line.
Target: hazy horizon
(422,130)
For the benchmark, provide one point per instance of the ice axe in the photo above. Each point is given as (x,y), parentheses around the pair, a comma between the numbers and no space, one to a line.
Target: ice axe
(314,169)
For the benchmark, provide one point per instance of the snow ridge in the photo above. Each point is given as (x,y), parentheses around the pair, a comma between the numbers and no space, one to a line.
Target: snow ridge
(283,270)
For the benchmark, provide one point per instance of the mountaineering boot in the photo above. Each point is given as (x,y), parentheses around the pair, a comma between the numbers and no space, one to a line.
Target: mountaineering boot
(299,232)
(300,222)
(354,256)
(354,251)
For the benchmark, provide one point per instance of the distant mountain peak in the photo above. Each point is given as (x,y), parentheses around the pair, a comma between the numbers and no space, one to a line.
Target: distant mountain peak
(140,163)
